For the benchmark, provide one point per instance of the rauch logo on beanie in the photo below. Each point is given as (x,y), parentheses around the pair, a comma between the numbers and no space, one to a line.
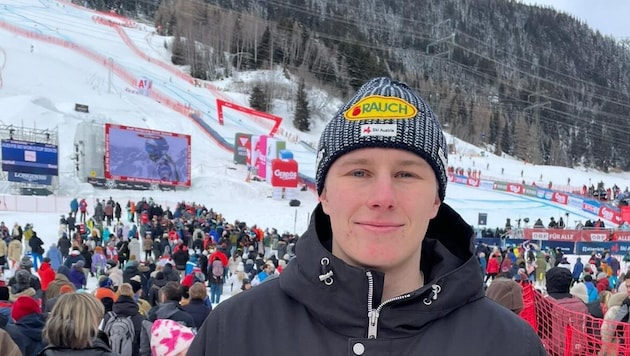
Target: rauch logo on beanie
(380,107)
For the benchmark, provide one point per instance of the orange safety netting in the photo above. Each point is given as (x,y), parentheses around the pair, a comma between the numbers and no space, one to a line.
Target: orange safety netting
(565,332)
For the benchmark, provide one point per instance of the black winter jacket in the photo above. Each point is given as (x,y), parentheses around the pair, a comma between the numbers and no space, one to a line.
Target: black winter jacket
(100,348)
(31,327)
(322,306)
(198,310)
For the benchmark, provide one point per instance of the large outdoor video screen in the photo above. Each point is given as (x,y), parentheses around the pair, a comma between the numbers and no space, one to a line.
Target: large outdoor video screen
(30,157)
(143,155)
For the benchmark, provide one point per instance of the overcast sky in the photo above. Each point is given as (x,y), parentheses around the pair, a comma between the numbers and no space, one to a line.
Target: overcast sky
(607,16)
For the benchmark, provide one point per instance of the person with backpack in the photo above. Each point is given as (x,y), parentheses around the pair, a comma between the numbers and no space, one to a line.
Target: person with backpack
(215,280)
(123,324)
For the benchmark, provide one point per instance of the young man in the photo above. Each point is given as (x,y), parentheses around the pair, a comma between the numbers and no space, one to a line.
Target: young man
(385,267)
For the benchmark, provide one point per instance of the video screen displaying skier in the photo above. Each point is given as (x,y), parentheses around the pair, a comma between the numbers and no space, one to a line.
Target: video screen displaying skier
(147,155)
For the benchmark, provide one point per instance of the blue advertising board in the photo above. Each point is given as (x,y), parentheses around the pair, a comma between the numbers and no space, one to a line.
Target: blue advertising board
(565,246)
(586,248)
(30,157)
(30,178)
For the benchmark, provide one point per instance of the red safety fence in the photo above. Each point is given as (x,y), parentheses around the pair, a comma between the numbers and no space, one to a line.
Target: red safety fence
(565,332)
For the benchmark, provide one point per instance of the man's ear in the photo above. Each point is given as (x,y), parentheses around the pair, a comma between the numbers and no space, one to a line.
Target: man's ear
(323,199)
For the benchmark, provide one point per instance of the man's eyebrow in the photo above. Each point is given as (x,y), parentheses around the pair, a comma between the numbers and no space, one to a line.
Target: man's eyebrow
(404,162)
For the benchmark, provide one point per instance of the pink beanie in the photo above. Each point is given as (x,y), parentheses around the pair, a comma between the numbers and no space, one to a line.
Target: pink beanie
(170,338)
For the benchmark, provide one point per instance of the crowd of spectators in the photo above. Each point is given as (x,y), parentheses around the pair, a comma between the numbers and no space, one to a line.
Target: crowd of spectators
(151,265)
(590,297)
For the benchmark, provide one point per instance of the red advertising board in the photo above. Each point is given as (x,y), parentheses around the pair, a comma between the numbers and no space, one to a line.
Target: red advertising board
(514,188)
(285,173)
(460,179)
(472,182)
(610,214)
(625,213)
(594,235)
(560,198)
(621,236)
(568,235)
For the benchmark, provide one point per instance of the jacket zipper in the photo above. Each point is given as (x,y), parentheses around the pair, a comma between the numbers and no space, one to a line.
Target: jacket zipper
(373,314)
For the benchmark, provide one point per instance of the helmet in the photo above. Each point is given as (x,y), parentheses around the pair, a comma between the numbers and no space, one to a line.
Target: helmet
(156,147)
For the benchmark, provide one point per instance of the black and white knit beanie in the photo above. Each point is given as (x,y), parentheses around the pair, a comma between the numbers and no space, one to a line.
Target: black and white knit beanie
(388,114)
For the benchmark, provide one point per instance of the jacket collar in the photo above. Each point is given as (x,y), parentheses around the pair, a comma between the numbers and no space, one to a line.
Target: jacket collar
(315,275)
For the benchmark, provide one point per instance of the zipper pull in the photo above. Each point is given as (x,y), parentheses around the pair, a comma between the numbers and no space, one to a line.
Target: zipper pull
(372,324)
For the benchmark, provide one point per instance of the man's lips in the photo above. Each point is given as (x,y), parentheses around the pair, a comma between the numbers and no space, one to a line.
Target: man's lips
(378,225)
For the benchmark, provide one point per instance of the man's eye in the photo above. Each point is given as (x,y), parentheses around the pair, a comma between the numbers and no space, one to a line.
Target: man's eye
(358,173)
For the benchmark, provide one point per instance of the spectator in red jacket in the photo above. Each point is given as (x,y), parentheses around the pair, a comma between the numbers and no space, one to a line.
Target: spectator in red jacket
(602,282)
(46,273)
(493,267)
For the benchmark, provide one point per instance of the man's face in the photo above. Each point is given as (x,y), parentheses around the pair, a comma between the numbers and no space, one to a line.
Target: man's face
(380,202)
(627,282)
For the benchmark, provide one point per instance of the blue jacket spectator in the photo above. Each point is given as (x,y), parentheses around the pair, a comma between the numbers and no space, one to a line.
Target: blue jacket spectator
(77,277)
(578,268)
(56,259)
(74,257)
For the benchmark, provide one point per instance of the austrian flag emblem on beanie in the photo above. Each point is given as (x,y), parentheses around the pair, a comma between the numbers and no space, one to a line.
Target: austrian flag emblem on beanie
(384,113)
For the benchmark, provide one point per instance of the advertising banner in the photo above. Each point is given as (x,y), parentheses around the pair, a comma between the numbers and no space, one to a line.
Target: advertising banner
(608,213)
(261,154)
(623,236)
(530,191)
(559,198)
(144,85)
(253,156)
(514,188)
(583,248)
(500,186)
(574,202)
(242,147)
(30,157)
(30,178)
(285,173)
(486,185)
(455,178)
(565,247)
(594,235)
(142,155)
(617,248)
(545,194)
(591,206)
(472,182)
(490,241)
(126,185)
(274,146)
(552,234)
(625,213)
